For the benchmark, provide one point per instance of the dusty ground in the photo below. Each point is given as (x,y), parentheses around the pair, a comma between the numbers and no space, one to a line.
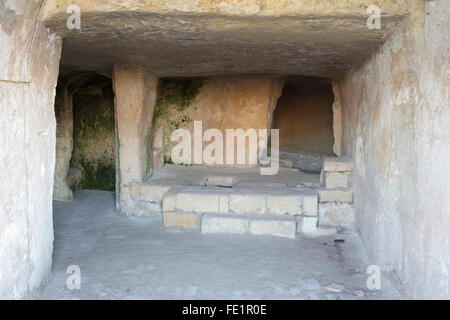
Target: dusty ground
(136,258)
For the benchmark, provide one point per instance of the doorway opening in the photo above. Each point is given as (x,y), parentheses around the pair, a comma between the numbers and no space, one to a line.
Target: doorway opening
(304,117)
(86,137)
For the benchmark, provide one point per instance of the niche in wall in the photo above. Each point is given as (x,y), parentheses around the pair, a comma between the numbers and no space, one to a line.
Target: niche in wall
(304,116)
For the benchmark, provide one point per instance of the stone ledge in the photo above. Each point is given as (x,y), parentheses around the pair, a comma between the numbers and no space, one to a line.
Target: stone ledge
(337,164)
(336,195)
(275,227)
(224,224)
(280,226)
(337,179)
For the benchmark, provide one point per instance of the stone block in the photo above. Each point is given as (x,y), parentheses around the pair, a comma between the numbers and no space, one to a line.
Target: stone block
(247,203)
(336,195)
(337,179)
(181,219)
(152,192)
(337,164)
(284,204)
(224,224)
(197,202)
(275,227)
(336,215)
(310,204)
(169,202)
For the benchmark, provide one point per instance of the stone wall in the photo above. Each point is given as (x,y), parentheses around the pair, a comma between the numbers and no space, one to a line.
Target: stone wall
(29,61)
(396,119)
(224,102)
(64,140)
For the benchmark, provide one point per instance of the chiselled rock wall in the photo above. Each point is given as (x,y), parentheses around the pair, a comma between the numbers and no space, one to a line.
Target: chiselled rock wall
(226,102)
(29,61)
(94,138)
(396,115)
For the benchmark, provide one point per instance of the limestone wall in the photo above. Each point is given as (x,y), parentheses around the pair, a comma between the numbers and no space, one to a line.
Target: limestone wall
(225,102)
(29,61)
(396,118)
(64,141)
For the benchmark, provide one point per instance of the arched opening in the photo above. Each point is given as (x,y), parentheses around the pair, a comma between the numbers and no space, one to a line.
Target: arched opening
(304,116)
(86,138)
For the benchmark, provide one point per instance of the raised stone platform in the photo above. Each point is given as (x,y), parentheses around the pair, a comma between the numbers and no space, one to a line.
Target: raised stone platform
(240,200)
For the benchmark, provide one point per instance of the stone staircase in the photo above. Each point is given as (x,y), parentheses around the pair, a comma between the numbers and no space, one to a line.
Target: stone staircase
(220,206)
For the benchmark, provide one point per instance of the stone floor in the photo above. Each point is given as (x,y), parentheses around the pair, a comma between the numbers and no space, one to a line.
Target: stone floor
(136,258)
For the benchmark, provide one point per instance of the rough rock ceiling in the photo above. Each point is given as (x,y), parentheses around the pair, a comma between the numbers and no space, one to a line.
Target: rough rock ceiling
(211,44)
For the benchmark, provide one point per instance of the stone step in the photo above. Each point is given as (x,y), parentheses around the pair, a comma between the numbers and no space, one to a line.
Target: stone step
(338,164)
(336,173)
(237,200)
(335,195)
(280,226)
(339,215)
(273,225)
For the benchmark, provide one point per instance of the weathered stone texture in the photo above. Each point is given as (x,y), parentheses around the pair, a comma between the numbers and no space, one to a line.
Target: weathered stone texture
(224,224)
(135,97)
(310,204)
(181,219)
(280,37)
(225,102)
(64,142)
(28,73)
(247,203)
(395,125)
(284,204)
(276,227)
(340,215)
(336,195)
(335,179)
